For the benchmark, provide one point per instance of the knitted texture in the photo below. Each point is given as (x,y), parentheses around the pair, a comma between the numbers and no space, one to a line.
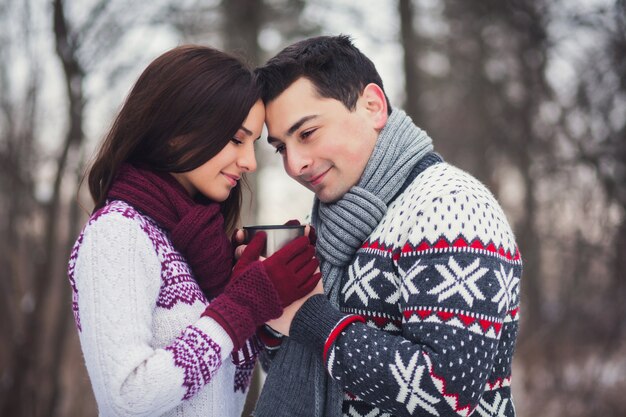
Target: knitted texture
(438,282)
(317,324)
(138,310)
(295,397)
(437,279)
(257,289)
(248,301)
(196,226)
(343,226)
(292,270)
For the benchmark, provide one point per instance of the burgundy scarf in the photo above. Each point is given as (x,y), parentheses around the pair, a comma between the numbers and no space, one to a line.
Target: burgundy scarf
(195,226)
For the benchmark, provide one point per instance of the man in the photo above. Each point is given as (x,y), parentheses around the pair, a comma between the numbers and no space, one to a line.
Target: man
(420,267)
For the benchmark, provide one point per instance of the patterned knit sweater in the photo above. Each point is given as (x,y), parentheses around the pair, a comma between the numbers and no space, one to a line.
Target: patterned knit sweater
(138,312)
(437,283)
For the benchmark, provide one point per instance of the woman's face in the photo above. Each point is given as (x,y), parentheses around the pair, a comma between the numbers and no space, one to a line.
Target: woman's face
(220,174)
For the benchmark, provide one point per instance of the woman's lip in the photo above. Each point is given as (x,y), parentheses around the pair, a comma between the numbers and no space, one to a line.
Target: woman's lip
(231,178)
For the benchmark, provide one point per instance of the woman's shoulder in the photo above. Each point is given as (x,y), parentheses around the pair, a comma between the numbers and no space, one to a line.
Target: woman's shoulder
(116,210)
(117,221)
(118,213)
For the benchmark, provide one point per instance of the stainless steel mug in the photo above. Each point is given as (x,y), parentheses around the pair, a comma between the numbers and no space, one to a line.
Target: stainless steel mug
(277,235)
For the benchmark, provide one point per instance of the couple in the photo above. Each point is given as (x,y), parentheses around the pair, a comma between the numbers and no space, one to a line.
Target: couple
(415,313)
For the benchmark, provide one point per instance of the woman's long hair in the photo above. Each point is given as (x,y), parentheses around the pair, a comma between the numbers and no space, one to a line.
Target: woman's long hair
(196,95)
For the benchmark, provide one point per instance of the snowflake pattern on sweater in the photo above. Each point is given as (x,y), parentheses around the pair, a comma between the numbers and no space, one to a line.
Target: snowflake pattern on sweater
(138,311)
(438,282)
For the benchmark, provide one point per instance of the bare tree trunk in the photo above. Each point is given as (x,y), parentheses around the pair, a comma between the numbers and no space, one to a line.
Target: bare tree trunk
(530,26)
(619,277)
(241,26)
(35,384)
(410,47)
(528,242)
(53,273)
(16,161)
(246,17)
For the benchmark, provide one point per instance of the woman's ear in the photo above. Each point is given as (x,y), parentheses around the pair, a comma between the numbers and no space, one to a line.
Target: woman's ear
(375,104)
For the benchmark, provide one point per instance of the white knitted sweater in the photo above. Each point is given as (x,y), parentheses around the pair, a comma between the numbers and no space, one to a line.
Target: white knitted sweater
(138,312)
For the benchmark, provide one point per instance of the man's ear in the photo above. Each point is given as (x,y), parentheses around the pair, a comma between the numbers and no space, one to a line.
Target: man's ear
(375,104)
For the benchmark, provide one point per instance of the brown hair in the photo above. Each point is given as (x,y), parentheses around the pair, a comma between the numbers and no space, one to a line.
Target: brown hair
(196,95)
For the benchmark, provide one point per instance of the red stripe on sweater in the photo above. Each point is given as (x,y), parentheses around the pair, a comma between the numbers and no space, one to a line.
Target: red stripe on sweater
(337,330)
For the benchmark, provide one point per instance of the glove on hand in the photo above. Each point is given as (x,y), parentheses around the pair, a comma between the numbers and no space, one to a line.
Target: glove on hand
(251,253)
(248,301)
(292,270)
(312,235)
(257,290)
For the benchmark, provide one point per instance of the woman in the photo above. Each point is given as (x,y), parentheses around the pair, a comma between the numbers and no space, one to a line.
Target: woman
(164,319)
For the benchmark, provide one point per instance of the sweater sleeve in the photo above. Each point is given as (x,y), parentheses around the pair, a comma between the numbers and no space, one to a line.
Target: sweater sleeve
(270,341)
(456,336)
(117,278)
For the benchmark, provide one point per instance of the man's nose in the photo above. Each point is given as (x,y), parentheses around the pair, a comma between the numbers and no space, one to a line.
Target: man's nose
(297,162)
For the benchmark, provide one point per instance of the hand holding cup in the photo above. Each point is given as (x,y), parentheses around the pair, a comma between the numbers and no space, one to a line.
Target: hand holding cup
(292,268)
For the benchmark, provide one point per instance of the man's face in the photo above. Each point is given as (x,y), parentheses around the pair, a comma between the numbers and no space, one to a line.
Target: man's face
(324,146)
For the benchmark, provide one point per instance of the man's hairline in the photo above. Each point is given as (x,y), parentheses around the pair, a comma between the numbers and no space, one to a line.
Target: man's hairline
(316,89)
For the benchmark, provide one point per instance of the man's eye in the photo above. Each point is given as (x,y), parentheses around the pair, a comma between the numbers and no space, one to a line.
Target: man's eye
(307,133)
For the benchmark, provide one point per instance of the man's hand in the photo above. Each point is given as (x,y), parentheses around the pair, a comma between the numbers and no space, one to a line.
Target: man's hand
(283,323)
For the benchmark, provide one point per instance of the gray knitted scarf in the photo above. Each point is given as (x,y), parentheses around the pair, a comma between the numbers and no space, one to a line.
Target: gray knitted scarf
(297,384)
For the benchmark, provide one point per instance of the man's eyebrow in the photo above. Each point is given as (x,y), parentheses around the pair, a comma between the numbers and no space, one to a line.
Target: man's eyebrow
(299,124)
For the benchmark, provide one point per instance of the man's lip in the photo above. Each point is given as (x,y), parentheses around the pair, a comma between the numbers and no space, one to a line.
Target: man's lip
(317,179)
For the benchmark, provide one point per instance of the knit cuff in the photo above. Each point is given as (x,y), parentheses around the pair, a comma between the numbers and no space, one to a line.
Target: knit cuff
(318,324)
(249,300)
(269,338)
(233,318)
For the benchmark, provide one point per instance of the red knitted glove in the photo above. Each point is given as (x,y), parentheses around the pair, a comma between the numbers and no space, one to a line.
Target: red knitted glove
(297,257)
(248,301)
(251,253)
(312,235)
(292,270)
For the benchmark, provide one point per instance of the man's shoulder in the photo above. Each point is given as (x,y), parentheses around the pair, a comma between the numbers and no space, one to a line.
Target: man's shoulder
(438,182)
(445,202)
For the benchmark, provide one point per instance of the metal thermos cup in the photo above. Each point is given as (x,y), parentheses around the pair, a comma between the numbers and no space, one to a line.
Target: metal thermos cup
(277,235)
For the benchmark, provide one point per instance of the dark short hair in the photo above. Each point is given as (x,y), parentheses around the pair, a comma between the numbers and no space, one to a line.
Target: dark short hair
(186,106)
(333,64)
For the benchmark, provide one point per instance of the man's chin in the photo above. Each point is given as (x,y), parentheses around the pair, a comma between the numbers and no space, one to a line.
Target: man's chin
(327,197)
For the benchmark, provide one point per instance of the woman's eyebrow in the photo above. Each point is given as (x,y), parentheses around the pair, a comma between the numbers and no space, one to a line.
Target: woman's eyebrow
(246,131)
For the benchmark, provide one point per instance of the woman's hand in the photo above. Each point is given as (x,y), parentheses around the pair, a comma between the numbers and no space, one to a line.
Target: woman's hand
(238,243)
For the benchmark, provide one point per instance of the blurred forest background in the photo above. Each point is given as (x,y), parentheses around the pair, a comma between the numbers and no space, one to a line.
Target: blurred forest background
(527,95)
